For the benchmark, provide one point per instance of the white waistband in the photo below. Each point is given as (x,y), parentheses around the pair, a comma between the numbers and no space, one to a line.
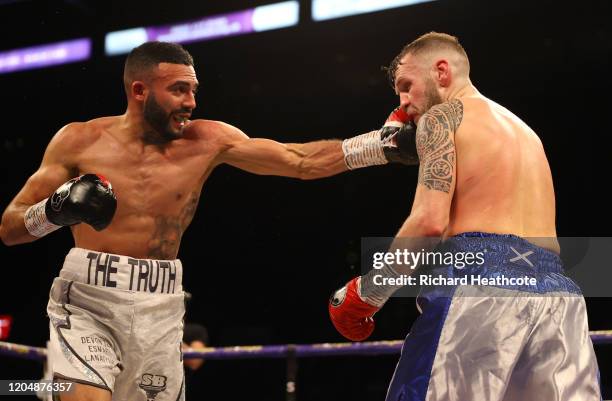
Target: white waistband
(123,272)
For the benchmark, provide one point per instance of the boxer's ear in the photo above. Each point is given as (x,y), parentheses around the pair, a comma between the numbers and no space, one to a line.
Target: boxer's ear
(443,73)
(138,90)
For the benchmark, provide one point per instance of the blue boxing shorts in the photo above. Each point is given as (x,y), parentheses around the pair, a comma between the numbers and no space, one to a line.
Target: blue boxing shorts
(500,342)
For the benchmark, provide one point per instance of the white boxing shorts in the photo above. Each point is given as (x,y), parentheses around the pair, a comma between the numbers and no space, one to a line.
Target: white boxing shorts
(116,323)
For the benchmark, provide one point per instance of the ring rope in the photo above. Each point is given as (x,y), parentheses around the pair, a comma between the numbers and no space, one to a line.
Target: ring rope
(274,351)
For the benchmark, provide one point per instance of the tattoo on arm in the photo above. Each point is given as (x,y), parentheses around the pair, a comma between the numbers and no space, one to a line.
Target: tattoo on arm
(436,145)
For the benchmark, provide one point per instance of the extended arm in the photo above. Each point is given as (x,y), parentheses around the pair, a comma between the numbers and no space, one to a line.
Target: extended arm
(267,157)
(393,143)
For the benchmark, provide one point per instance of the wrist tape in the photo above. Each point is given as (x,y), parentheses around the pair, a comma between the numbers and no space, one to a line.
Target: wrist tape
(363,150)
(377,295)
(36,221)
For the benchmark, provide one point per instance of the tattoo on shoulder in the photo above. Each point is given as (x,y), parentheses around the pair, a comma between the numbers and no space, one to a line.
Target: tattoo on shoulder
(436,145)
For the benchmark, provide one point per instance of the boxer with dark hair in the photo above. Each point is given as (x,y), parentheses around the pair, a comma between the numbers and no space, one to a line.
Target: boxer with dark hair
(484,186)
(195,336)
(116,308)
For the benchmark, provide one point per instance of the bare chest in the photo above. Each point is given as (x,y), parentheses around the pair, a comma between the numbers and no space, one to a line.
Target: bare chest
(151,181)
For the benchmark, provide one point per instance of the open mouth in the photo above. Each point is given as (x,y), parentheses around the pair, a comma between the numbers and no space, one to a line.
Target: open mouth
(180,120)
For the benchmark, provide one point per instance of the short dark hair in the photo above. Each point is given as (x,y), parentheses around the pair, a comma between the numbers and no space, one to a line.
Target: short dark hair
(424,43)
(193,332)
(148,55)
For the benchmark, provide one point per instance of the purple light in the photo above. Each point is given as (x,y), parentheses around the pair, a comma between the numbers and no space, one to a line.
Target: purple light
(204,29)
(45,55)
(261,18)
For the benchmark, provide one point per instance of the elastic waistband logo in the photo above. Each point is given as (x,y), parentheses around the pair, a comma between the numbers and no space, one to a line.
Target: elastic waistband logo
(145,275)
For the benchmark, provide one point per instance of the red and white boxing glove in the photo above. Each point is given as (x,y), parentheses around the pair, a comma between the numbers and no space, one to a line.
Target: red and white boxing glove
(398,118)
(352,316)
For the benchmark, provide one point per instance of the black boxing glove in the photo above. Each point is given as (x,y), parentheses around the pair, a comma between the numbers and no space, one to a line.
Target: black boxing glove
(399,144)
(394,142)
(86,199)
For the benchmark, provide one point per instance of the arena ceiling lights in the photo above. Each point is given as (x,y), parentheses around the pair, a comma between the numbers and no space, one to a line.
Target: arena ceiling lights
(263,18)
(258,19)
(329,9)
(45,55)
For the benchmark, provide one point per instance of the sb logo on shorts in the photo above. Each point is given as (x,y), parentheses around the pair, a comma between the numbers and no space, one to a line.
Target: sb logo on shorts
(152,385)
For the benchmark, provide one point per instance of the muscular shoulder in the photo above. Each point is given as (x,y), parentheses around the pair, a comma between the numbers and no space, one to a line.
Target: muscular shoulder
(215,131)
(78,136)
(447,115)
(438,125)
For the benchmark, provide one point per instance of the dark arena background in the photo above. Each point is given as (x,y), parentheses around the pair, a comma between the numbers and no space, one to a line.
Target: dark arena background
(263,254)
